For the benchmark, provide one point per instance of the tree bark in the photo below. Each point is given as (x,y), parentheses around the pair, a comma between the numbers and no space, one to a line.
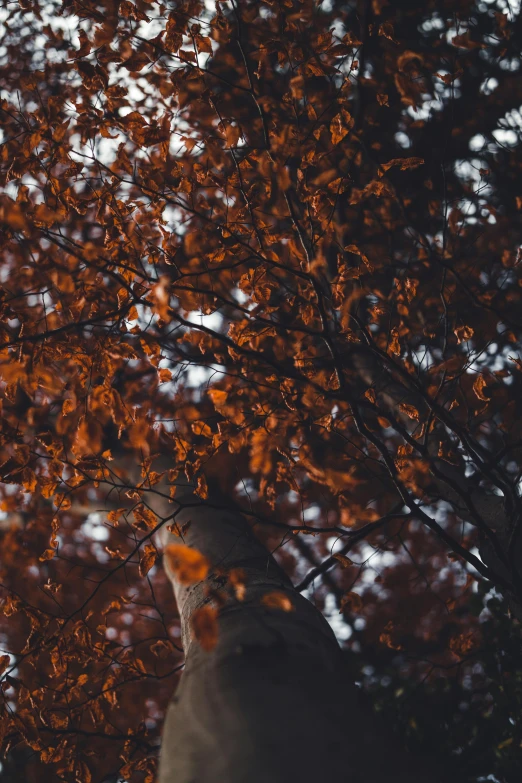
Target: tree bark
(271,703)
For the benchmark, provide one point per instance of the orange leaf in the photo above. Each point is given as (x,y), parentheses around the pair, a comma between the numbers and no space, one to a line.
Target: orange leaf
(395,346)
(403,163)
(340,126)
(445,452)
(277,600)
(145,516)
(352,601)
(386,637)
(115,514)
(409,410)
(83,774)
(67,407)
(161,649)
(478,388)
(464,333)
(343,560)
(202,488)
(138,433)
(205,627)
(462,644)
(188,565)
(165,375)
(204,44)
(201,428)
(464,42)
(4,663)
(45,215)
(29,480)
(148,558)
(218,397)
(236,578)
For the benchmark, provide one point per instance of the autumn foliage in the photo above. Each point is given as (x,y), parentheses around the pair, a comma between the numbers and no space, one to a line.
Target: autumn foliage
(270,248)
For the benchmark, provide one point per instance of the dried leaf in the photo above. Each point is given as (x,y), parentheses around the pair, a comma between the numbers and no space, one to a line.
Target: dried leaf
(343,560)
(395,346)
(165,375)
(341,125)
(147,559)
(145,516)
(161,649)
(387,639)
(187,565)
(201,428)
(403,163)
(204,626)
(47,555)
(410,411)
(446,453)
(114,515)
(464,333)
(351,601)
(237,578)
(479,386)
(218,397)
(278,600)
(201,487)
(4,663)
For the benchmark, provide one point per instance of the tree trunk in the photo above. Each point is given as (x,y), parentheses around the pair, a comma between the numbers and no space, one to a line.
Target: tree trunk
(270,703)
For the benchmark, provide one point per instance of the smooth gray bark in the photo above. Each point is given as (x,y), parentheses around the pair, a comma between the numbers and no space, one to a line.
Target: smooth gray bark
(271,703)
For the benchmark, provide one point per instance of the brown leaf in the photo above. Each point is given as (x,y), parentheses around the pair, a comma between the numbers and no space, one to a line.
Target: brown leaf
(464,333)
(464,41)
(409,410)
(165,375)
(478,387)
(343,560)
(114,515)
(201,428)
(446,453)
(201,487)
(4,663)
(403,163)
(341,124)
(136,62)
(278,600)
(387,639)
(205,627)
(351,601)
(161,648)
(47,555)
(145,516)
(187,565)
(237,578)
(147,559)
(203,43)
(395,346)
(83,774)
(218,397)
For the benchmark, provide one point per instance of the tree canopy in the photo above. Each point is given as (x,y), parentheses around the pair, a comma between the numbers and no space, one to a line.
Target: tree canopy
(270,247)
